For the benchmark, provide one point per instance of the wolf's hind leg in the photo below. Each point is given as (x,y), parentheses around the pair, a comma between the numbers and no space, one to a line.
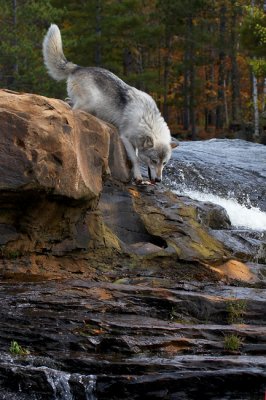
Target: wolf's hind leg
(131,152)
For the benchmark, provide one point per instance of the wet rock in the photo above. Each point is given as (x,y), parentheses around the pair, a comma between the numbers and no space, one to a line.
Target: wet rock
(213,216)
(8,233)
(117,208)
(244,244)
(106,340)
(116,291)
(160,219)
(168,217)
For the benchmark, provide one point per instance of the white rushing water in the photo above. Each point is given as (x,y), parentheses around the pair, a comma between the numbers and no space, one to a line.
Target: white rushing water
(59,382)
(240,215)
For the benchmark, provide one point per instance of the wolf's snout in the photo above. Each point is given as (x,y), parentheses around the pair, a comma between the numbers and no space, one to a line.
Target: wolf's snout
(158,179)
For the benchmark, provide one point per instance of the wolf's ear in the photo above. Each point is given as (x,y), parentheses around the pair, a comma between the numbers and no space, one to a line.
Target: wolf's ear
(174,143)
(147,142)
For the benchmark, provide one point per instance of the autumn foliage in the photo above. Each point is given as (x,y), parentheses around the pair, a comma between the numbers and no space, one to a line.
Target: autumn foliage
(195,57)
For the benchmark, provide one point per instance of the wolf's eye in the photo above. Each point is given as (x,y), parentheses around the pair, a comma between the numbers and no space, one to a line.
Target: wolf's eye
(154,161)
(164,163)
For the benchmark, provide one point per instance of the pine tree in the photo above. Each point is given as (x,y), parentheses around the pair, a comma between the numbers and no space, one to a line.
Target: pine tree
(22,25)
(115,35)
(184,29)
(253,35)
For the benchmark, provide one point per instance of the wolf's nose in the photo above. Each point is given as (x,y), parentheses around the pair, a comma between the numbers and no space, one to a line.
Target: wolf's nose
(157,179)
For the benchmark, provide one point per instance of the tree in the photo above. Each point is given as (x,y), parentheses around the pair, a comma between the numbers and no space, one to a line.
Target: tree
(185,53)
(253,35)
(235,78)
(183,31)
(23,24)
(220,109)
(116,35)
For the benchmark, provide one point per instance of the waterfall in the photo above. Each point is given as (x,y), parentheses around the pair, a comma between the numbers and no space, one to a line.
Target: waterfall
(59,381)
(62,385)
(230,173)
(241,216)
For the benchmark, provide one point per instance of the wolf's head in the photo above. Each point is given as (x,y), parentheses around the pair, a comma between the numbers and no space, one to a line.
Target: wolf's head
(155,156)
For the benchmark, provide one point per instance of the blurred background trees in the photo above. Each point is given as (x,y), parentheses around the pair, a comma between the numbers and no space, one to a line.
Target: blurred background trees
(203,61)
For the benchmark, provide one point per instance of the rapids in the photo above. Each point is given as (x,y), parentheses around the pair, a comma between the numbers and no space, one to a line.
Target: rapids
(229,169)
(240,215)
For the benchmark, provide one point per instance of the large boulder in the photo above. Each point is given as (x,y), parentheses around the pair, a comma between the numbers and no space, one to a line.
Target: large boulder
(53,161)
(46,146)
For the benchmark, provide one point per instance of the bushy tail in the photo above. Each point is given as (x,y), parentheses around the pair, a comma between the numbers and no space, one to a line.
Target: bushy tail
(58,66)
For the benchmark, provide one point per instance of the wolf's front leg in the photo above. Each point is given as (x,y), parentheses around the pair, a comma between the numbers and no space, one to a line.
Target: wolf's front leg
(131,152)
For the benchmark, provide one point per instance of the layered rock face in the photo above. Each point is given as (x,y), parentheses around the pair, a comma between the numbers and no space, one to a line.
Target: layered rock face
(116,291)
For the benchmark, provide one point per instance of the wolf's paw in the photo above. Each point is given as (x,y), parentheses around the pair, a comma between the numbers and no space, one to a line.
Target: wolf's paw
(141,182)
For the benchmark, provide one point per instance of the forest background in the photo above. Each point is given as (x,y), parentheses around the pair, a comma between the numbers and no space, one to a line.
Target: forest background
(203,61)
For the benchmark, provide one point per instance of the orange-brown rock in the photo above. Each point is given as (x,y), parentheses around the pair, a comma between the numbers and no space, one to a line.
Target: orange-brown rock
(52,164)
(45,145)
(236,270)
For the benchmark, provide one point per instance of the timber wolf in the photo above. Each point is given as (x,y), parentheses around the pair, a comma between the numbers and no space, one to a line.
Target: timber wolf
(142,129)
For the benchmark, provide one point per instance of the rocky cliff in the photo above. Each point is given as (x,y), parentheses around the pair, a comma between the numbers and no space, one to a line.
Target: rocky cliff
(130,279)
(63,193)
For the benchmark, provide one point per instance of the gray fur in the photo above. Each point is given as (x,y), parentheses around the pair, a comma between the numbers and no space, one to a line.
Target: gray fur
(143,130)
